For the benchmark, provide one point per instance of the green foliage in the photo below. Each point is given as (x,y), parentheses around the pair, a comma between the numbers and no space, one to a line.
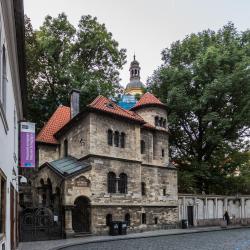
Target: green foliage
(61,57)
(205,83)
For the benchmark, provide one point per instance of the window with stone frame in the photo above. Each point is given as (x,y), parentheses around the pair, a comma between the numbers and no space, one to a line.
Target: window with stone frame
(164,193)
(65,147)
(156,220)
(4,79)
(127,219)
(143,188)
(116,139)
(108,219)
(156,121)
(3,202)
(143,146)
(162,152)
(164,123)
(122,140)
(122,184)
(111,182)
(110,137)
(143,218)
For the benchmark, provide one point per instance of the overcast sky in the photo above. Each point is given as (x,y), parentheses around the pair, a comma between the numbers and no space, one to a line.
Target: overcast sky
(146,26)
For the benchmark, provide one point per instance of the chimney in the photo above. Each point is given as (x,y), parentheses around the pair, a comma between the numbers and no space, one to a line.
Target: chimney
(74,102)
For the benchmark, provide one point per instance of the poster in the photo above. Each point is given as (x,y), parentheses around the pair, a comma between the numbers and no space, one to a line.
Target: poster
(27,145)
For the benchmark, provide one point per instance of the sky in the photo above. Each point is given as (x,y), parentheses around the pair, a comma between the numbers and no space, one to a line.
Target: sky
(146,27)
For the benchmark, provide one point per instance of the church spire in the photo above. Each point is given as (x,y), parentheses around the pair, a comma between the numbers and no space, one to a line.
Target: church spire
(134,70)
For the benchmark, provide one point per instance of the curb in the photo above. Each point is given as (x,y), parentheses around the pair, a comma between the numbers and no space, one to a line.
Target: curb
(145,236)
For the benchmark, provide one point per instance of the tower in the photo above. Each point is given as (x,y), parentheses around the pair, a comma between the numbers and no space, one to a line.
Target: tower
(135,86)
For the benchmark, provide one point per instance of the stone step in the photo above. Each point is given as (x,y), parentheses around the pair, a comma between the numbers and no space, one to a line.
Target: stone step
(78,235)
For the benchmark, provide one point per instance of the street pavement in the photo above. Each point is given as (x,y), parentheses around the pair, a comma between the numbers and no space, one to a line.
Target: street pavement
(238,239)
(176,239)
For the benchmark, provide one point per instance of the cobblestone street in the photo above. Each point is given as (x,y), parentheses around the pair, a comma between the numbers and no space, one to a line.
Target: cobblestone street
(238,239)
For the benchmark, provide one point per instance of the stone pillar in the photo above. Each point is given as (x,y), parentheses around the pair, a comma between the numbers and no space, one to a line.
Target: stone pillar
(184,208)
(216,209)
(69,232)
(242,207)
(225,205)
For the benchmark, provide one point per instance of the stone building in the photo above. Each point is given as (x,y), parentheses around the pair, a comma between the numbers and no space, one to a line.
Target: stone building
(107,164)
(12,110)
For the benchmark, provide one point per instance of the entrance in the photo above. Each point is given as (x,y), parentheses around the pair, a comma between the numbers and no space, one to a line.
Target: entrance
(12,217)
(81,215)
(190,212)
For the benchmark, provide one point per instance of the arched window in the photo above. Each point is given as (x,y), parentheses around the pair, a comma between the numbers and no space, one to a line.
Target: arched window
(42,182)
(156,121)
(111,182)
(162,152)
(65,144)
(161,122)
(108,219)
(122,184)
(4,79)
(127,219)
(143,188)
(116,139)
(122,142)
(164,123)
(142,147)
(110,137)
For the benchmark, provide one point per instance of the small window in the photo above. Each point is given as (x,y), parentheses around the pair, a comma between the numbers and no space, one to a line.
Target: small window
(111,182)
(143,188)
(127,219)
(65,148)
(122,140)
(162,152)
(122,184)
(142,147)
(4,79)
(143,218)
(164,191)
(110,137)
(156,220)
(156,121)
(108,219)
(164,123)
(116,139)
(161,122)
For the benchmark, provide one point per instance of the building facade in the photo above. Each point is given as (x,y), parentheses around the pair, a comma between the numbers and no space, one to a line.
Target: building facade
(107,164)
(12,89)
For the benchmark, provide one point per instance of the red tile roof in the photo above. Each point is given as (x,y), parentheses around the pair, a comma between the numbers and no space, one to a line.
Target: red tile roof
(103,104)
(59,118)
(146,100)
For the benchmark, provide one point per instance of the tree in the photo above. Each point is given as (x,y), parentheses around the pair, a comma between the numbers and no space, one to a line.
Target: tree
(205,83)
(62,57)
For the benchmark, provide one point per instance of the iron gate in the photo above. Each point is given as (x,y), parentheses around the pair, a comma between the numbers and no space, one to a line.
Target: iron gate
(39,224)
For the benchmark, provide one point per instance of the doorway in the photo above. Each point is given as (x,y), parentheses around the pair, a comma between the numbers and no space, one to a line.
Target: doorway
(81,215)
(190,212)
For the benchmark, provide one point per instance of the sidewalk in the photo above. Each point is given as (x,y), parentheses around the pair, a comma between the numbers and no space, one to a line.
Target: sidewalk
(56,244)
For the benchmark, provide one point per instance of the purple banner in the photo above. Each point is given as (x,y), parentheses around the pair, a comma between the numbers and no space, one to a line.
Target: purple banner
(27,145)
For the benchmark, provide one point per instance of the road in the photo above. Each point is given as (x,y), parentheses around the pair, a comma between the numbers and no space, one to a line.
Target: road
(237,239)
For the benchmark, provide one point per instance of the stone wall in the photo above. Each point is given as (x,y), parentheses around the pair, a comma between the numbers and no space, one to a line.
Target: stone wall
(100,124)
(167,217)
(46,153)
(78,139)
(208,210)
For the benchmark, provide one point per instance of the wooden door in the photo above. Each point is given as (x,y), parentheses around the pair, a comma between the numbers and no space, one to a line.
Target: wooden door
(190,215)
(12,218)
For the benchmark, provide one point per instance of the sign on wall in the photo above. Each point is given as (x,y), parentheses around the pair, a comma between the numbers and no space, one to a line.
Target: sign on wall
(27,144)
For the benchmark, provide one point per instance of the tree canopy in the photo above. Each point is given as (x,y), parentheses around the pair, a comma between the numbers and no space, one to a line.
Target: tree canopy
(205,83)
(60,57)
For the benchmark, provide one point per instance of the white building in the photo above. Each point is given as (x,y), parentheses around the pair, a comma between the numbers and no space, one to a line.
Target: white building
(12,91)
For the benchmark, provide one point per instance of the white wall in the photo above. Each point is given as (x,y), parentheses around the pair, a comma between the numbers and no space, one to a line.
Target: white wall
(9,138)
